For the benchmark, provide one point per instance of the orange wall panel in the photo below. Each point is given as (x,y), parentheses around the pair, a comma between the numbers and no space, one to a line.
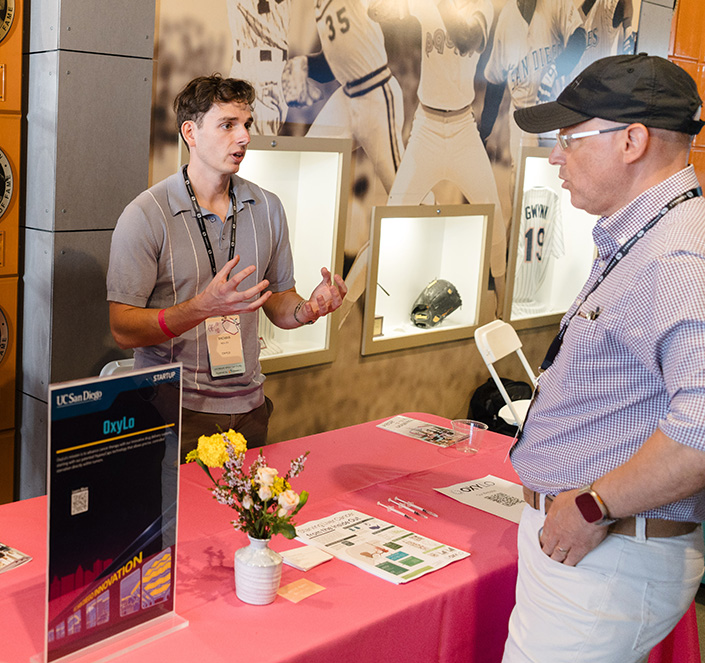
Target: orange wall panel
(9,209)
(10,128)
(8,350)
(687,38)
(11,62)
(7,463)
(700,80)
(688,51)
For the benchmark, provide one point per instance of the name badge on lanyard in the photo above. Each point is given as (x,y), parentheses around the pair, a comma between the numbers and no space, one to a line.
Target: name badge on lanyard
(224,341)
(225,352)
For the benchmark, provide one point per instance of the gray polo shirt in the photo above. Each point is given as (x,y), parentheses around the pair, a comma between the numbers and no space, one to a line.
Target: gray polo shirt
(158,259)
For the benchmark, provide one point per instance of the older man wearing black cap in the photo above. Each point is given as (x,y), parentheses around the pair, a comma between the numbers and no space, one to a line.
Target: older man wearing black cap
(612,454)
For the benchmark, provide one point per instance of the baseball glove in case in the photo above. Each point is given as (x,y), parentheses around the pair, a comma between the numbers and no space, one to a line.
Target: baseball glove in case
(435,303)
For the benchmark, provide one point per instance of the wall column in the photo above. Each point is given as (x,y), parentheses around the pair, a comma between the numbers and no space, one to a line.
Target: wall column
(89,70)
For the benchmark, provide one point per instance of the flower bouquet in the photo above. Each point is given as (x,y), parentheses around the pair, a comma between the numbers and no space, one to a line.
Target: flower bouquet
(263,501)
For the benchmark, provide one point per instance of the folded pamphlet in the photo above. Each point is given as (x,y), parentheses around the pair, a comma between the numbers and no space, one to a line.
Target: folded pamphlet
(305,557)
(11,558)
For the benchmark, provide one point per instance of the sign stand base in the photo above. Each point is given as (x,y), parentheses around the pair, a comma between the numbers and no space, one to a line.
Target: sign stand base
(122,643)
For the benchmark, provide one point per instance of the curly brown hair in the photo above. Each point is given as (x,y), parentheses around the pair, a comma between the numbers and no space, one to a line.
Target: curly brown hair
(198,96)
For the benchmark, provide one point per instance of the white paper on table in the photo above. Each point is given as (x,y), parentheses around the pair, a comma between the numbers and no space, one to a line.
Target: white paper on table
(11,558)
(422,430)
(491,494)
(304,558)
(378,547)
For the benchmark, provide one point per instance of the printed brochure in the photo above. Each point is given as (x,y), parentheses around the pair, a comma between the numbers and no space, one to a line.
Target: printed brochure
(491,494)
(378,547)
(11,558)
(420,430)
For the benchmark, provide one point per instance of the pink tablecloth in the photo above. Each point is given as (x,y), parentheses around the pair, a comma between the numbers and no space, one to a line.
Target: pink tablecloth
(458,613)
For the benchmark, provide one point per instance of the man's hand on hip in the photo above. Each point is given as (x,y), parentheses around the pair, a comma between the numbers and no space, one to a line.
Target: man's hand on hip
(566,537)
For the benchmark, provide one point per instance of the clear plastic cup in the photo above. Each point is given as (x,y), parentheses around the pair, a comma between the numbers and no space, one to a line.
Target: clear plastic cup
(473,433)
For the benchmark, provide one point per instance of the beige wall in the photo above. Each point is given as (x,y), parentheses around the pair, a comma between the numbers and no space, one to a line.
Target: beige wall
(438,379)
(58,342)
(192,40)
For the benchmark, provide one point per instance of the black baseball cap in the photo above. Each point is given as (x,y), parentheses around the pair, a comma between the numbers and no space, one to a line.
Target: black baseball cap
(623,88)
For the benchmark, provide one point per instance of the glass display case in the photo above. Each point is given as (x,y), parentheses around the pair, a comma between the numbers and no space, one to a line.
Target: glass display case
(311,176)
(551,247)
(428,276)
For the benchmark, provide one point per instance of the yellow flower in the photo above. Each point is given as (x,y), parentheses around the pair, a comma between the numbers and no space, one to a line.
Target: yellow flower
(279,486)
(237,441)
(263,501)
(211,450)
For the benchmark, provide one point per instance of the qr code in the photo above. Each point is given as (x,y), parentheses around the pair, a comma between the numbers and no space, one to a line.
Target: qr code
(503,499)
(79,501)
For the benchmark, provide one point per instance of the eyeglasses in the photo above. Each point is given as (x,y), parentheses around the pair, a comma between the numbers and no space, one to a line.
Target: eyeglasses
(565,141)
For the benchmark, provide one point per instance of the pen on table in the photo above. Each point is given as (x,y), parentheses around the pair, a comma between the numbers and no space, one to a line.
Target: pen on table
(416,506)
(401,513)
(402,504)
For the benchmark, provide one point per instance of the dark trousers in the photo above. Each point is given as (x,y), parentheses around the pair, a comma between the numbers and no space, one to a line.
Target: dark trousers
(252,425)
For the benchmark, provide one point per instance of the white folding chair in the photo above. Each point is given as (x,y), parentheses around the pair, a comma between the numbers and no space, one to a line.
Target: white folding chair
(117,366)
(495,341)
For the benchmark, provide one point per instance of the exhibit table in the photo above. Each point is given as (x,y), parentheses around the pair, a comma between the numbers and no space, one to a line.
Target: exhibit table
(458,613)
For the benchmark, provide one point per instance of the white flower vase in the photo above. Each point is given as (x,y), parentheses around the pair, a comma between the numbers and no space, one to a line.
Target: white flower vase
(258,570)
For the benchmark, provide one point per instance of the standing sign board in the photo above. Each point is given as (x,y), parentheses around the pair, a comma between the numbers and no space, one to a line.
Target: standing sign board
(113,471)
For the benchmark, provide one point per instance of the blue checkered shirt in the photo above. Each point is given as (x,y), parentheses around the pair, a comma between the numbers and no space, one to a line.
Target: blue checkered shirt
(639,365)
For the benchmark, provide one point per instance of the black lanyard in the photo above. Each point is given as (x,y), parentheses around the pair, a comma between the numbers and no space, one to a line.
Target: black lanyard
(202,225)
(621,253)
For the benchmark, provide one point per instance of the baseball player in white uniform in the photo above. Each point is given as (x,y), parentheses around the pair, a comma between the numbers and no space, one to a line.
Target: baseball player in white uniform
(536,43)
(260,32)
(368,106)
(444,142)
(608,26)
(540,239)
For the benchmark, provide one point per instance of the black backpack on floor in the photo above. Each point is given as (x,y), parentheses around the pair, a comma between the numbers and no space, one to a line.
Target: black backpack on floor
(486,403)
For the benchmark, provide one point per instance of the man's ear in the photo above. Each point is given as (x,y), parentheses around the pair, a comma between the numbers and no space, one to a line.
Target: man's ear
(636,140)
(187,133)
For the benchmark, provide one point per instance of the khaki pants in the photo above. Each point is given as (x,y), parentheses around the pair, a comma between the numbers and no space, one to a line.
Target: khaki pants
(621,600)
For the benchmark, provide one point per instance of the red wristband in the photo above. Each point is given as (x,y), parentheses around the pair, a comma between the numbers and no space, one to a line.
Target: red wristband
(163,325)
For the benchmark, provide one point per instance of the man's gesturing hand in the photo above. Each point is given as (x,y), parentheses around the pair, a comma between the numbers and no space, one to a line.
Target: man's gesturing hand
(222,297)
(327,296)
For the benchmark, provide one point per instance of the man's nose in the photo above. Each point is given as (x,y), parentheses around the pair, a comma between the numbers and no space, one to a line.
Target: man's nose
(243,137)
(557,155)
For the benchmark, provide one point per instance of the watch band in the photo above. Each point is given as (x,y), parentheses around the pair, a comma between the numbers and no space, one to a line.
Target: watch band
(592,508)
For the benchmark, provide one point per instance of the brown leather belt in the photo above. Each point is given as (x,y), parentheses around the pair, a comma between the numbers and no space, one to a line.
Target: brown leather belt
(655,527)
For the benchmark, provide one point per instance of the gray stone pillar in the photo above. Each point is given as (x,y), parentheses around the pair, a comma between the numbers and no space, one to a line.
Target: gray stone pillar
(87,154)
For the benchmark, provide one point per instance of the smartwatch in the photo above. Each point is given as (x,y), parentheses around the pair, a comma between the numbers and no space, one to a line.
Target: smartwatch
(592,508)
